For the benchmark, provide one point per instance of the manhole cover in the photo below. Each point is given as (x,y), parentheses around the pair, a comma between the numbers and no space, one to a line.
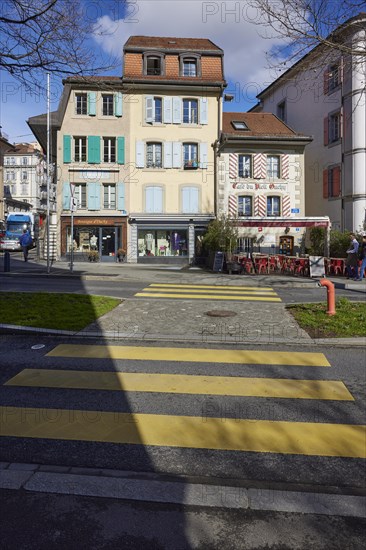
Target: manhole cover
(220,313)
(38,346)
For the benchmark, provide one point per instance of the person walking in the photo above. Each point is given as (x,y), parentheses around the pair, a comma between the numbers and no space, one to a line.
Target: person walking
(362,257)
(25,242)
(352,257)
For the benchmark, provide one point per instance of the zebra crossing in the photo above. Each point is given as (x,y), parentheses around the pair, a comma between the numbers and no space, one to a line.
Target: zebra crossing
(206,431)
(209,292)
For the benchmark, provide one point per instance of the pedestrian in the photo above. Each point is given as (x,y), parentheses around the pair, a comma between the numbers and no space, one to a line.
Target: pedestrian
(352,257)
(362,257)
(25,242)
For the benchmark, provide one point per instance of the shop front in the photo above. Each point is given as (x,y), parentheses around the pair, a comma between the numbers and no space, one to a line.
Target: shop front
(154,241)
(93,239)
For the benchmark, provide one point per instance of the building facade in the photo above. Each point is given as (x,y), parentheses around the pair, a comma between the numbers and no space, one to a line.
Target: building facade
(4,147)
(323,95)
(174,88)
(261,182)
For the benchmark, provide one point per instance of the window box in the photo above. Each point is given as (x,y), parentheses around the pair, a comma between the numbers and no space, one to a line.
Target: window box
(191,165)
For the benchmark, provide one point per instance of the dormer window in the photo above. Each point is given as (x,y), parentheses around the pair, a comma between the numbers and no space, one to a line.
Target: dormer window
(239,125)
(153,64)
(189,65)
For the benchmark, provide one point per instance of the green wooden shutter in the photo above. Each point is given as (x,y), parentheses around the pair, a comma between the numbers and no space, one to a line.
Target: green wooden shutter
(93,149)
(66,196)
(121,196)
(67,149)
(118,104)
(92,103)
(120,150)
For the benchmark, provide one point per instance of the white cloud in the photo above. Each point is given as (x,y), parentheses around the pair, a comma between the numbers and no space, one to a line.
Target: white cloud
(227,24)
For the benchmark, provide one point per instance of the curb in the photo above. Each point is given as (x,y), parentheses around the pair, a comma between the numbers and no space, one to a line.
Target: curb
(140,486)
(189,338)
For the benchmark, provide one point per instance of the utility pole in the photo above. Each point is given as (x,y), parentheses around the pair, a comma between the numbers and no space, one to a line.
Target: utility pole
(48,174)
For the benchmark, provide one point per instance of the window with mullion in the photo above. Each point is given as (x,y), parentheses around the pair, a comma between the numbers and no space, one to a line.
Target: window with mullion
(107,105)
(158,109)
(153,155)
(80,149)
(245,205)
(334,127)
(190,155)
(81,104)
(109,201)
(245,166)
(80,194)
(273,206)
(190,67)
(109,149)
(190,111)
(153,65)
(273,166)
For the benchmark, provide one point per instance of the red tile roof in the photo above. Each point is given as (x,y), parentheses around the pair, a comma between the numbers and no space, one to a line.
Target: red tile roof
(259,124)
(174,43)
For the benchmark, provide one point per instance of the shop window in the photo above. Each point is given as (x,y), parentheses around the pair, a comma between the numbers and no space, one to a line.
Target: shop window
(109,196)
(273,206)
(107,104)
(80,149)
(245,205)
(245,166)
(190,111)
(190,156)
(153,155)
(273,166)
(81,104)
(109,149)
(161,242)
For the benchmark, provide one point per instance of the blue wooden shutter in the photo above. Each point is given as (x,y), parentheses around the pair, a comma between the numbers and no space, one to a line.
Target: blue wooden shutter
(177,154)
(93,149)
(177,110)
(67,149)
(118,104)
(203,155)
(168,113)
(121,196)
(66,196)
(93,191)
(194,200)
(140,154)
(149,109)
(204,110)
(168,154)
(92,103)
(120,150)
(154,200)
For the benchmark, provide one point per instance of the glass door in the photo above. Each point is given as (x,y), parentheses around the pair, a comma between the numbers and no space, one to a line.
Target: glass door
(108,244)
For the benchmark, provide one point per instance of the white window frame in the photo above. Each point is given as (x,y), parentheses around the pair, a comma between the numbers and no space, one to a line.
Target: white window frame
(79,195)
(108,104)
(192,157)
(242,166)
(81,103)
(109,149)
(80,148)
(155,149)
(273,166)
(241,205)
(109,196)
(191,102)
(334,127)
(272,212)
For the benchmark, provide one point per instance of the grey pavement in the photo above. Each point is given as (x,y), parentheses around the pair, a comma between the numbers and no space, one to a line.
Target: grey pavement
(187,320)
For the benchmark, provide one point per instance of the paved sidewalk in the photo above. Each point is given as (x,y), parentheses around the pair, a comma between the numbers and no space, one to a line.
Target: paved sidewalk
(187,320)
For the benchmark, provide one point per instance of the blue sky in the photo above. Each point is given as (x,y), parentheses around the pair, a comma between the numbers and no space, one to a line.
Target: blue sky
(232,25)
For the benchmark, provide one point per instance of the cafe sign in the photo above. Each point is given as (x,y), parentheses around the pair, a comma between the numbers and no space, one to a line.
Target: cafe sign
(259,186)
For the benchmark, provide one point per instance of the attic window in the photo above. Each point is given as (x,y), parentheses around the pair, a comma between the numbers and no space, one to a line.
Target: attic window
(239,125)
(154,63)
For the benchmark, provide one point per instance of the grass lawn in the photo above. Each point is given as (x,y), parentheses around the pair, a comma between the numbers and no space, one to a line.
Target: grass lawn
(349,320)
(51,310)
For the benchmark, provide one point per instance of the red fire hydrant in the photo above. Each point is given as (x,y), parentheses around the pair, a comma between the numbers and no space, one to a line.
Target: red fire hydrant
(330,295)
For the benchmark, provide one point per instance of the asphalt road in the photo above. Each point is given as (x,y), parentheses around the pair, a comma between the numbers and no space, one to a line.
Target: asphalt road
(38,521)
(127,289)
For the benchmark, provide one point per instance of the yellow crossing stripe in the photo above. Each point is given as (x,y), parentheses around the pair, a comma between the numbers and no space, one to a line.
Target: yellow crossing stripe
(220,292)
(263,436)
(183,384)
(240,356)
(211,297)
(215,287)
